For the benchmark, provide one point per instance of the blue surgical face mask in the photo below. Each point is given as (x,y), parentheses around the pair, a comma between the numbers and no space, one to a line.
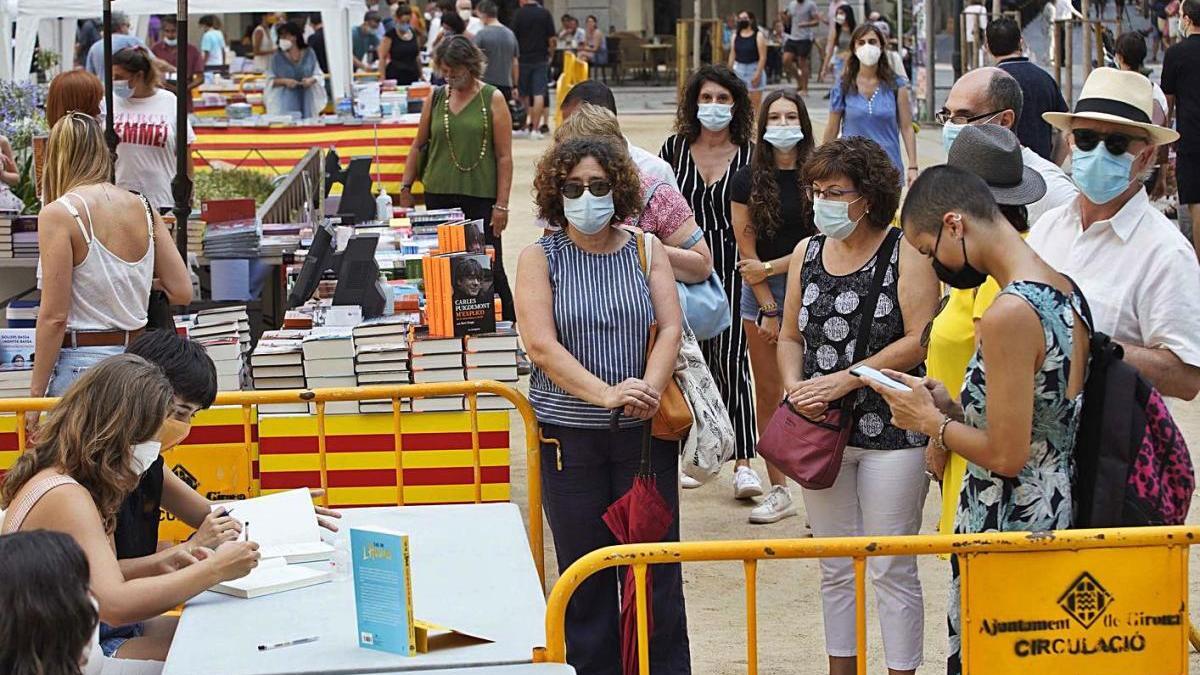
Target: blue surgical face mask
(832,218)
(170,42)
(950,132)
(588,213)
(1101,175)
(783,138)
(122,89)
(715,116)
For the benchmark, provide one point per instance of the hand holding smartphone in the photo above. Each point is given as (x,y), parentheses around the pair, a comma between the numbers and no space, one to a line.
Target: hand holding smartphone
(872,374)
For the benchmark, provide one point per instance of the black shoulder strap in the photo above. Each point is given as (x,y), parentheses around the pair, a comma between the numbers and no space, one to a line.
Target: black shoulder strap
(883,260)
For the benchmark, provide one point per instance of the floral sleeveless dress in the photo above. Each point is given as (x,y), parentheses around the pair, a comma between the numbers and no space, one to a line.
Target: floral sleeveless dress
(1039,498)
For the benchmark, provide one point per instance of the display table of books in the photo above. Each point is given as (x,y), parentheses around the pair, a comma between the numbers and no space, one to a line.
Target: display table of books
(274,150)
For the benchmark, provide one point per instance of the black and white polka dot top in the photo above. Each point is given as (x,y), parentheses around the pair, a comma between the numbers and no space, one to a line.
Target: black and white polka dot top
(829,321)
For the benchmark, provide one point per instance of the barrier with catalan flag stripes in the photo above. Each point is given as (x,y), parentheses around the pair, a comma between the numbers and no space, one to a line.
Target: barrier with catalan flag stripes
(379,459)
(1098,601)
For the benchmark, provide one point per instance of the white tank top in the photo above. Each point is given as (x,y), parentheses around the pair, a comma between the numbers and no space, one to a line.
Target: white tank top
(107,291)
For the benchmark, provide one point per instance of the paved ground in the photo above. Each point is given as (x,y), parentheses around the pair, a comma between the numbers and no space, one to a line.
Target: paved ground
(790,630)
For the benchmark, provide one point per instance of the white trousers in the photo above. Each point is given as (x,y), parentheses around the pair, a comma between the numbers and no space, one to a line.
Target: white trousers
(877,492)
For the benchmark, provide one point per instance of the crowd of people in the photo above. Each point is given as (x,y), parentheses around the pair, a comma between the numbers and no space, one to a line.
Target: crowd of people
(977,283)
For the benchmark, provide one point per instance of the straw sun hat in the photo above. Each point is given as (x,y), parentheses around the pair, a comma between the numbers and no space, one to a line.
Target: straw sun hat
(1117,96)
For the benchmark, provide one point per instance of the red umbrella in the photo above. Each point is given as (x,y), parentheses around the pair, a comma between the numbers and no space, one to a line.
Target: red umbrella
(639,516)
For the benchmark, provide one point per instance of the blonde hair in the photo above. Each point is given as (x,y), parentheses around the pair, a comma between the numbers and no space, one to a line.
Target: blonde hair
(89,434)
(76,155)
(589,120)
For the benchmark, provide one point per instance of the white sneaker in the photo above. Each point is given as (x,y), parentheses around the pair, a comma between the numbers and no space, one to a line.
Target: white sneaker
(746,483)
(536,135)
(521,133)
(777,506)
(688,483)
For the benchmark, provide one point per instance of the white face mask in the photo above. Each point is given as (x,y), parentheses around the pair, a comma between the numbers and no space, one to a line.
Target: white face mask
(144,454)
(588,213)
(715,116)
(783,138)
(286,44)
(465,14)
(868,54)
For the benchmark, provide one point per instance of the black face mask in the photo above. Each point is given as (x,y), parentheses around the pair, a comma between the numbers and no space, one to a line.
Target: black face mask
(967,277)
(743,24)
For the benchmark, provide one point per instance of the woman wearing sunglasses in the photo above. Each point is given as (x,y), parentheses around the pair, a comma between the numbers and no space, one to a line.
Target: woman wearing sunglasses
(1021,397)
(994,154)
(585,306)
(881,485)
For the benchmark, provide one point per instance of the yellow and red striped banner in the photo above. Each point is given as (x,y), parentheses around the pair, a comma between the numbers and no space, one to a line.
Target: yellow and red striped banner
(275,150)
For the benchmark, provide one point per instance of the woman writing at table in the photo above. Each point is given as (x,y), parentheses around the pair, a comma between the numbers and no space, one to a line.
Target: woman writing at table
(1019,409)
(295,83)
(86,460)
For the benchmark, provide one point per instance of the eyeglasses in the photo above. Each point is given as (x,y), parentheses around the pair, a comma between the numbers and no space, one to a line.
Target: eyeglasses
(1116,142)
(814,192)
(944,117)
(574,189)
(928,332)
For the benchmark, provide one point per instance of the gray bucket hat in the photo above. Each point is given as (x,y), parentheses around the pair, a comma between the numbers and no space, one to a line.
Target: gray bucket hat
(994,154)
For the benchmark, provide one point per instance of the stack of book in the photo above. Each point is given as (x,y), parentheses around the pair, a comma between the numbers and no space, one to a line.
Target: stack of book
(6,240)
(381,355)
(279,238)
(329,362)
(459,292)
(232,229)
(436,359)
(425,223)
(492,356)
(195,236)
(225,334)
(16,362)
(278,363)
(24,237)
(23,312)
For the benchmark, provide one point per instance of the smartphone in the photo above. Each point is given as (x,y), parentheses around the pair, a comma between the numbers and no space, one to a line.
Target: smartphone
(871,373)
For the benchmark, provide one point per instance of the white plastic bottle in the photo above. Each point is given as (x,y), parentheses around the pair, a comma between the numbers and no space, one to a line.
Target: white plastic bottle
(383,206)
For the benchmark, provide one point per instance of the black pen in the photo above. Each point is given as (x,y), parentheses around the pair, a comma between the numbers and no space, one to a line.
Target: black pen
(288,643)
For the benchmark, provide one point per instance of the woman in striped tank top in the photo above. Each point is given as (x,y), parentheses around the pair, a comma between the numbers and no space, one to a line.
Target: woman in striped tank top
(711,142)
(585,307)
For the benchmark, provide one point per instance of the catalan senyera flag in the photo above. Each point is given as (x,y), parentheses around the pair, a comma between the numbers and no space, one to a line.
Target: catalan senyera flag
(223,458)
(275,150)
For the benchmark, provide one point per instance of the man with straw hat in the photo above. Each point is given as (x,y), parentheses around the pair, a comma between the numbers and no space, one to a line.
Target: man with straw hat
(1136,269)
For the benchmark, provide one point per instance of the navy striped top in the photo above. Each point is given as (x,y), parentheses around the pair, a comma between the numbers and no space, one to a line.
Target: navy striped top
(602,313)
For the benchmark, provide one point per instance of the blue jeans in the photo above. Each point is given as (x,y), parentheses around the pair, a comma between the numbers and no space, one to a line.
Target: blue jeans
(73,362)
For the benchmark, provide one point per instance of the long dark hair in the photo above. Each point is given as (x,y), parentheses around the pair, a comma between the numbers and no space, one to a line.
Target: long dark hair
(686,122)
(765,214)
(850,24)
(883,70)
(48,615)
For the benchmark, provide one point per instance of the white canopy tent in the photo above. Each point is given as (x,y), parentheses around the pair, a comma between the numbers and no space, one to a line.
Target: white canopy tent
(53,22)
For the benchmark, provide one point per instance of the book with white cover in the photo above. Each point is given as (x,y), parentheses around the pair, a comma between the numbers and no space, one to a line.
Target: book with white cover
(387,339)
(293,370)
(231,328)
(393,377)
(391,351)
(439,375)
(381,367)
(437,404)
(278,382)
(273,575)
(501,373)
(329,367)
(332,343)
(221,315)
(478,359)
(283,524)
(435,361)
(328,382)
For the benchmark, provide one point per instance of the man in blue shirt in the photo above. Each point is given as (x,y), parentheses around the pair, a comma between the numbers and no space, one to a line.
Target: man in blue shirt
(364,39)
(1039,91)
(96,60)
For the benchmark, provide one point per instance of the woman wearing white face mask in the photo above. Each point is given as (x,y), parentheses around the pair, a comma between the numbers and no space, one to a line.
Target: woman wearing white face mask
(74,480)
(585,308)
(838,46)
(712,140)
(144,117)
(770,216)
(295,82)
(871,100)
(881,484)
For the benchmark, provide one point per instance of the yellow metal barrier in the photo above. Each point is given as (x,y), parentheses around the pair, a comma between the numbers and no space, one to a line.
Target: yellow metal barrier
(574,71)
(395,393)
(1151,599)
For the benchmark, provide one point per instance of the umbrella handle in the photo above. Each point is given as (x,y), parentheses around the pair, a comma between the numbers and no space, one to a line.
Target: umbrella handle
(645,469)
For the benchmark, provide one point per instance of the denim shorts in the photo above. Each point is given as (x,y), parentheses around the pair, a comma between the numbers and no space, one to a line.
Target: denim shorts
(749,304)
(745,72)
(73,362)
(534,79)
(112,637)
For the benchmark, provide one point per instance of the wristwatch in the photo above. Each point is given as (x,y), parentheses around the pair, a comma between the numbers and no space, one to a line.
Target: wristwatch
(769,268)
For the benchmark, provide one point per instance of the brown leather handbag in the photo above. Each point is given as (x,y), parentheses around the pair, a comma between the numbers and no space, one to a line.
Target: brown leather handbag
(673,421)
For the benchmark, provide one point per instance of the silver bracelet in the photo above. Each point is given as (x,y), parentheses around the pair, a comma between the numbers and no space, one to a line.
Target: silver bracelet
(940,439)
(497,207)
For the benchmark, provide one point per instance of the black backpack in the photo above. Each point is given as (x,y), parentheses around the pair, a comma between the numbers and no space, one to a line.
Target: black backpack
(1132,466)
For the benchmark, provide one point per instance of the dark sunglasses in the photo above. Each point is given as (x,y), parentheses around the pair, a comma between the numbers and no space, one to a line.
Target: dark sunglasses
(1116,143)
(928,332)
(574,189)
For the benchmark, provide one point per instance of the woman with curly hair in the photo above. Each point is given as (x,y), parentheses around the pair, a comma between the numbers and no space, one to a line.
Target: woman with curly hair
(881,485)
(585,305)
(871,100)
(90,452)
(770,216)
(711,142)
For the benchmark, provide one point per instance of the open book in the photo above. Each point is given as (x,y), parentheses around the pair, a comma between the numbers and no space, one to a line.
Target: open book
(272,576)
(284,525)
